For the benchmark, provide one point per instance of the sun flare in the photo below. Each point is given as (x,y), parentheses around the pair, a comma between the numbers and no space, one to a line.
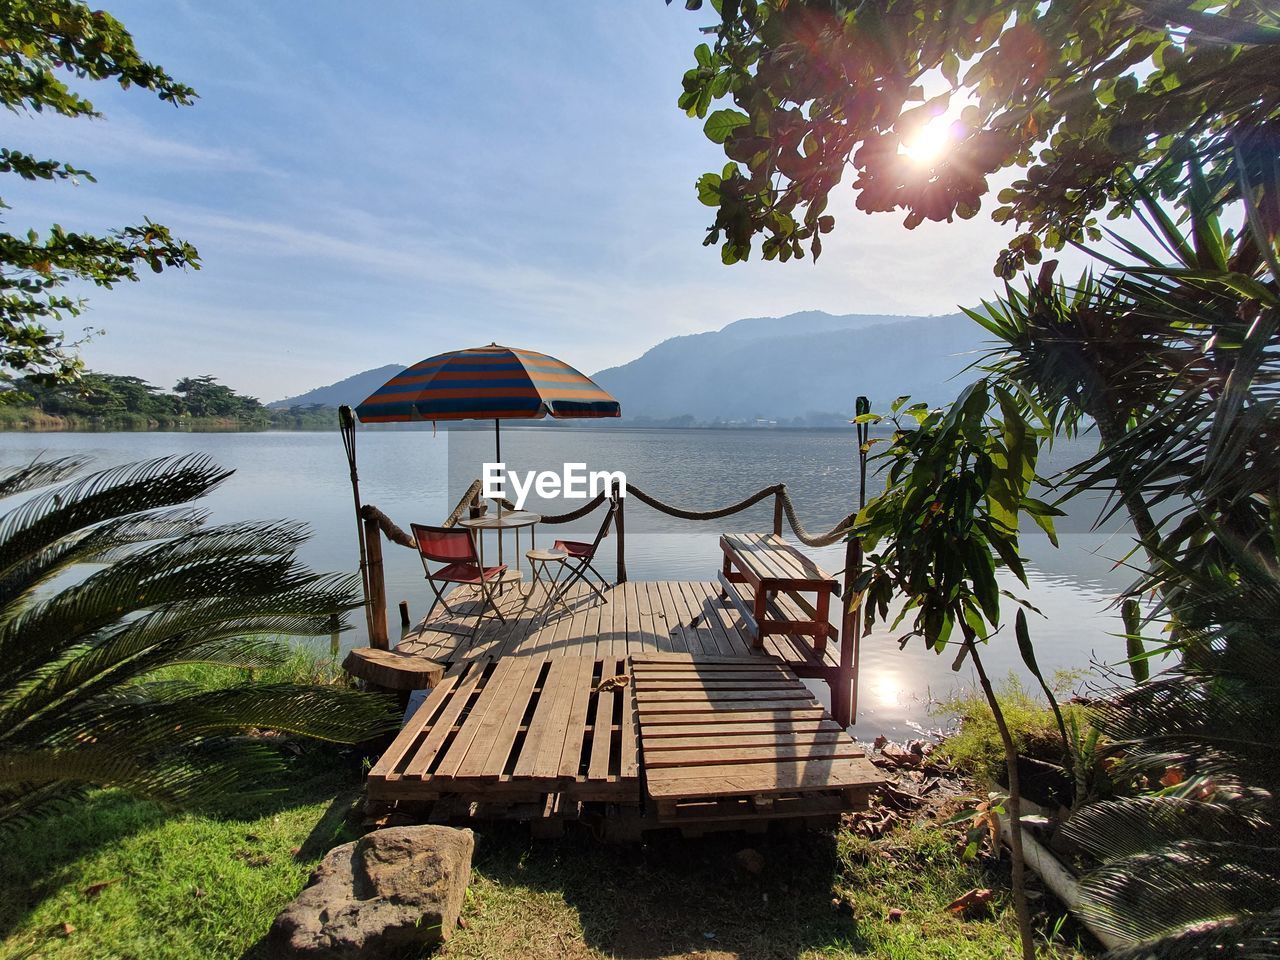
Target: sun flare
(929,143)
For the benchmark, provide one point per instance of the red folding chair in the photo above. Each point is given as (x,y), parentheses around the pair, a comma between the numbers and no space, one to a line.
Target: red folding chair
(578,557)
(456,549)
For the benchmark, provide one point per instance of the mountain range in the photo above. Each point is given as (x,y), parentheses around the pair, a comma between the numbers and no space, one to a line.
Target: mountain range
(804,368)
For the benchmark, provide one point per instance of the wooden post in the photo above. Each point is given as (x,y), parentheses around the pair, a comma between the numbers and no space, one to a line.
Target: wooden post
(377,587)
(846,710)
(620,527)
(404,614)
(777,511)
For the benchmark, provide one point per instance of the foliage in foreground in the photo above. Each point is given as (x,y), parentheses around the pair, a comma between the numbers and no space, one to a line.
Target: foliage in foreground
(1077,96)
(84,694)
(46,47)
(1194,858)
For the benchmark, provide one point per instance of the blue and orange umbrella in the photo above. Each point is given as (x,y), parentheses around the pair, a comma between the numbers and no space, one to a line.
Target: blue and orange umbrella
(488,383)
(483,383)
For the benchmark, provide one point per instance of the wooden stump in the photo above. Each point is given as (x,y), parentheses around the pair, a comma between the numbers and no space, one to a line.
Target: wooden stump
(393,669)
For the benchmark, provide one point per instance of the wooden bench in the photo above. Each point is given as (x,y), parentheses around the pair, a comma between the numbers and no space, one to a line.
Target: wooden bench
(778,576)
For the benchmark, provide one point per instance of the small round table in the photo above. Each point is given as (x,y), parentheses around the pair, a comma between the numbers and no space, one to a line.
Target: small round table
(510,520)
(542,574)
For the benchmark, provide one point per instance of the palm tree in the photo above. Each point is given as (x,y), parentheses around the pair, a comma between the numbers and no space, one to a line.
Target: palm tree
(1175,356)
(87,696)
(1190,866)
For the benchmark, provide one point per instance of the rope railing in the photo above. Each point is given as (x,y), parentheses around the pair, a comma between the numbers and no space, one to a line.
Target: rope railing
(837,533)
(376,525)
(387,526)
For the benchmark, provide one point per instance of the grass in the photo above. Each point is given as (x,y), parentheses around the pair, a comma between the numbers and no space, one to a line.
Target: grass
(976,747)
(120,877)
(579,899)
(123,878)
(188,886)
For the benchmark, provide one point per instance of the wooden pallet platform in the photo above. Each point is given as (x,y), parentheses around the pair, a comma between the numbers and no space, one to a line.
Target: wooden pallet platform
(640,617)
(515,730)
(728,738)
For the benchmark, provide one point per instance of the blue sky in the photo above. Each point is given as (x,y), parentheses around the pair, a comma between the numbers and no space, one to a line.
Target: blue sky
(368,189)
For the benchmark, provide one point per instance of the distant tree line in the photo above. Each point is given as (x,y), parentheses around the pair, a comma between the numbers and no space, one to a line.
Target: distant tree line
(113,401)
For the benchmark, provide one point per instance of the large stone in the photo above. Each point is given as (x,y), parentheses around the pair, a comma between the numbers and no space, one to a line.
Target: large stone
(386,892)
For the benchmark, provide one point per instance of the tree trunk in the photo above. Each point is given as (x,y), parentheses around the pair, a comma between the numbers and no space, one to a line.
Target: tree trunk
(1014,808)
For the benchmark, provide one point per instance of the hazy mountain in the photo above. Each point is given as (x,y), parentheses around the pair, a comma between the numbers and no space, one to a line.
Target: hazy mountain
(350,391)
(802,367)
(797,366)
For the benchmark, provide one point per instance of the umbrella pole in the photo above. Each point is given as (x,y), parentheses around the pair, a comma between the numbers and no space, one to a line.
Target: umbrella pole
(497,448)
(347,427)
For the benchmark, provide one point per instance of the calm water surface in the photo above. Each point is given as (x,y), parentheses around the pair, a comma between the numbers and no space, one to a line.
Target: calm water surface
(415,476)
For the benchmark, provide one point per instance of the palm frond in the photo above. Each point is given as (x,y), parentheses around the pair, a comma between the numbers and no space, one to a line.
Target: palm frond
(115,492)
(38,473)
(87,692)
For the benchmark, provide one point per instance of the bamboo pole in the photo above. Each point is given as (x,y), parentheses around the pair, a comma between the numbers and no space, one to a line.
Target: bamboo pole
(347,429)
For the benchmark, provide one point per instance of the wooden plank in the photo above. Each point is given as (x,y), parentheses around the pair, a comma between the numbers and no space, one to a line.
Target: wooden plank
(630,769)
(571,754)
(695,686)
(737,727)
(734,596)
(499,735)
(763,738)
(768,778)
(447,720)
(761,715)
(807,752)
(602,725)
(712,640)
(701,660)
(712,614)
(679,616)
(544,741)
(412,730)
(722,706)
(621,641)
(772,693)
(496,694)
(652,618)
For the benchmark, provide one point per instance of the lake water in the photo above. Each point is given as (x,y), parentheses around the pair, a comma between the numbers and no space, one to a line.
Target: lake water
(417,476)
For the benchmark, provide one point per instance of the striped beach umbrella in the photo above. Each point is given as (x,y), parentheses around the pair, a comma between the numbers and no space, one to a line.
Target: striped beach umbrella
(488,383)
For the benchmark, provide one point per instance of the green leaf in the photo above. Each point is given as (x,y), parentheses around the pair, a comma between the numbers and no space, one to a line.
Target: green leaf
(708,187)
(721,124)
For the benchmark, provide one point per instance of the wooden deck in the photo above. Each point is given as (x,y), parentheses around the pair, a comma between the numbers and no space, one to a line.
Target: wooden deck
(697,729)
(640,617)
(516,728)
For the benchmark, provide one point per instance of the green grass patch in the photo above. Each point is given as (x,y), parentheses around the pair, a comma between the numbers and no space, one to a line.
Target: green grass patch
(976,746)
(121,877)
(678,898)
(129,880)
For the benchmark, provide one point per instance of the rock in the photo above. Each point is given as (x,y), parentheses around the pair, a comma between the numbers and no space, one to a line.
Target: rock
(751,861)
(389,891)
